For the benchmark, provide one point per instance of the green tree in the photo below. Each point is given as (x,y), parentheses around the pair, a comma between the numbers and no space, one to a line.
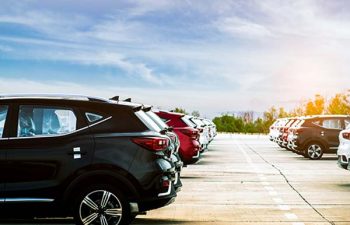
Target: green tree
(179,110)
(196,113)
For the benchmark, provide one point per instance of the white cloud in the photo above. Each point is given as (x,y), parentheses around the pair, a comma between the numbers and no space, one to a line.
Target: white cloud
(5,49)
(242,28)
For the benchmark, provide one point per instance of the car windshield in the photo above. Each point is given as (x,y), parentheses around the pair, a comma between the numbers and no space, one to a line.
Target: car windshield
(147,121)
(157,120)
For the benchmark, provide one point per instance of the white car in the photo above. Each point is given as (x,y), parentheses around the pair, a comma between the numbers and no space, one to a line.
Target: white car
(344,149)
(204,132)
(275,129)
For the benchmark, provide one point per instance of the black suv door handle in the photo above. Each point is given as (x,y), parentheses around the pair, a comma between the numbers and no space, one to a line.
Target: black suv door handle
(75,153)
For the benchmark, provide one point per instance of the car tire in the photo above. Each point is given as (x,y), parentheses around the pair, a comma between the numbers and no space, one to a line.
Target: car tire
(102,204)
(314,151)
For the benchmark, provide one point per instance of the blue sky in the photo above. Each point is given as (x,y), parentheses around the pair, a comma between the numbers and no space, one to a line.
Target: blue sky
(212,56)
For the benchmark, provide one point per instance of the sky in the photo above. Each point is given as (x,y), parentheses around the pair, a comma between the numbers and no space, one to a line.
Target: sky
(211,56)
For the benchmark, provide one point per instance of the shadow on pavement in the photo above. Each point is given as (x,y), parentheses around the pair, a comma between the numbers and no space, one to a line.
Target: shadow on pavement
(157,222)
(36,221)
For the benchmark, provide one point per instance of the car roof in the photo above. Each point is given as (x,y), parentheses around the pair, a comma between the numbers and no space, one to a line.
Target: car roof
(52,96)
(38,98)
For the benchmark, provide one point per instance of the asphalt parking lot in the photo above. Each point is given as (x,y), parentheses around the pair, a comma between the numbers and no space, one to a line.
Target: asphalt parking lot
(248,180)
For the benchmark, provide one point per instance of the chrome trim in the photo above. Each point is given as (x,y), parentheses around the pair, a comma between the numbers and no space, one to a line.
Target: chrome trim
(167,192)
(62,135)
(29,200)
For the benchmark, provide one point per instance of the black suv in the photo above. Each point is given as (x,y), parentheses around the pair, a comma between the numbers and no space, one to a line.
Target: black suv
(318,135)
(95,159)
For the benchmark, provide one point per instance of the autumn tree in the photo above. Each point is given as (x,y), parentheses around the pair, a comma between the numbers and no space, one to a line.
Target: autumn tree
(339,104)
(316,106)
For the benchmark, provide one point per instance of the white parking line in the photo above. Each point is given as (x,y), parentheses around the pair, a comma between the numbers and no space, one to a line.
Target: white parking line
(278,200)
(273,193)
(271,190)
(291,216)
(284,207)
(298,223)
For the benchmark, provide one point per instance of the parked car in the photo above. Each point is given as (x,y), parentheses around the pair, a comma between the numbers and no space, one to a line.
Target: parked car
(97,160)
(291,132)
(276,130)
(211,134)
(344,148)
(204,132)
(175,144)
(157,124)
(318,135)
(190,148)
(285,131)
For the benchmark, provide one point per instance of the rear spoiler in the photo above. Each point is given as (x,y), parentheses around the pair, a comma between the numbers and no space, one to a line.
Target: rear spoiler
(115,98)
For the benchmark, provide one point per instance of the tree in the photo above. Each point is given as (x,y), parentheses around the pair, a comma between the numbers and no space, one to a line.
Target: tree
(179,110)
(282,113)
(316,106)
(339,104)
(196,113)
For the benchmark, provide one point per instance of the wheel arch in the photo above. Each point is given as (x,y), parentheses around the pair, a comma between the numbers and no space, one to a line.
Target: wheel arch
(316,140)
(101,174)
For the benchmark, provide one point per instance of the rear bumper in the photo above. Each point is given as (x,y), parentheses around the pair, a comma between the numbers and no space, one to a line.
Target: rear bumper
(190,152)
(344,156)
(156,202)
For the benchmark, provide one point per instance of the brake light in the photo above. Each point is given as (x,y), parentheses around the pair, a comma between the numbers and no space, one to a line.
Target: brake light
(193,134)
(346,135)
(152,143)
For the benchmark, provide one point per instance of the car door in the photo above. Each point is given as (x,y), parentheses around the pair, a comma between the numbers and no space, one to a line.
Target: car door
(49,144)
(331,130)
(4,117)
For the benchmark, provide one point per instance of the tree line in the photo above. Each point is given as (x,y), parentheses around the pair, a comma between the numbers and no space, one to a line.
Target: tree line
(245,122)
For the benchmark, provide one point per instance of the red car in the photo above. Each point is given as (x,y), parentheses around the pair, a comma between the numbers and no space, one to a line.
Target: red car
(189,137)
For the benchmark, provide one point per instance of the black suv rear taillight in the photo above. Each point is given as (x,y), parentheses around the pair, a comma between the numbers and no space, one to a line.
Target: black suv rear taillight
(152,143)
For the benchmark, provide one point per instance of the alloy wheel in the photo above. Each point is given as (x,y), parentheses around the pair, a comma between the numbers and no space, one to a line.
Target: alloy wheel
(100,207)
(314,151)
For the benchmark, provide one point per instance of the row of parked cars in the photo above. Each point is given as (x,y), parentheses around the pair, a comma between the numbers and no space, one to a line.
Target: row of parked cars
(101,161)
(313,136)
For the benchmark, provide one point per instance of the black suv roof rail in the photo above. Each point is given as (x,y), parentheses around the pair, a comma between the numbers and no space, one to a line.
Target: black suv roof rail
(53,96)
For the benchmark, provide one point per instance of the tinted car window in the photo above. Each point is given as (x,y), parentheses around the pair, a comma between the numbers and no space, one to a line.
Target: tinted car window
(188,121)
(36,121)
(157,120)
(3,114)
(93,117)
(147,121)
(347,123)
(332,124)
